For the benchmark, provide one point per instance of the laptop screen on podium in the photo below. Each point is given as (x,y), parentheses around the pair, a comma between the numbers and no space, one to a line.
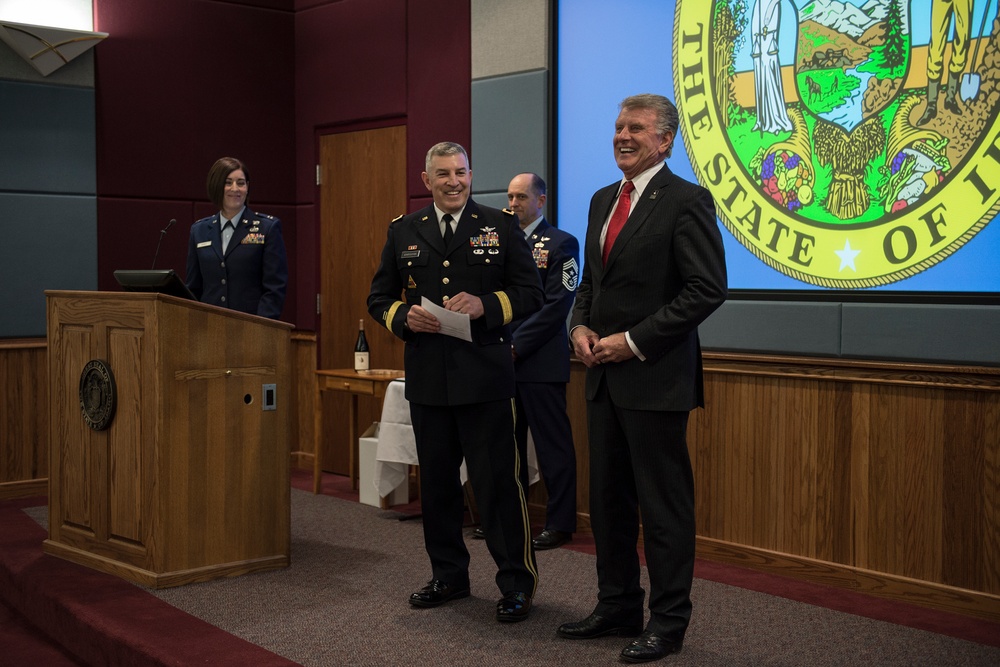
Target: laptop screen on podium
(164,281)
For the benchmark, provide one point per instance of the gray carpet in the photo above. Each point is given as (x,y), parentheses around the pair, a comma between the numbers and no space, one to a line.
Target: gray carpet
(343,602)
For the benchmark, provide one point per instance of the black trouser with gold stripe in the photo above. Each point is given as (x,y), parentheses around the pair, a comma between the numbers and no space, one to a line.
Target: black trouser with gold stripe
(482,434)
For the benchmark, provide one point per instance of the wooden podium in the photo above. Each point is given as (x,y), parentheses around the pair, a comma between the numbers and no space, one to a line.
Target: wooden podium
(189,478)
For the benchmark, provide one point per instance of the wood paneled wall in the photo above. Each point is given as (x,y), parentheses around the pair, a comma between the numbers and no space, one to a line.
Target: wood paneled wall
(24,439)
(880,477)
(876,477)
(302,434)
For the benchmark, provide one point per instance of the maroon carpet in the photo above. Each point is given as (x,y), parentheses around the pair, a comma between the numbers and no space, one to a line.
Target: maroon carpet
(24,645)
(104,620)
(99,618)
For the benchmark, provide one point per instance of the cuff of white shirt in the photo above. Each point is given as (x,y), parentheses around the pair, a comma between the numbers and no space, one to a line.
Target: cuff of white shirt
(628,339)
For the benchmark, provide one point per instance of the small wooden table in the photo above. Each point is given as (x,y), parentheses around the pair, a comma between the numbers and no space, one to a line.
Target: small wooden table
(357,383)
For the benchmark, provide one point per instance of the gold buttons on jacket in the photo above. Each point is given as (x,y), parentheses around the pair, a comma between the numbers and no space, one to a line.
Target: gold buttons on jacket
(446,264)
(445,281)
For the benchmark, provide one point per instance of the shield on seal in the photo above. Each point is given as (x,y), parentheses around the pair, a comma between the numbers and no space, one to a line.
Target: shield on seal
(846,197)
(851,58)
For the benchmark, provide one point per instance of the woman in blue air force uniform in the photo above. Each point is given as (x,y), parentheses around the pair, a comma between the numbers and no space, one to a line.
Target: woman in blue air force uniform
(236,258)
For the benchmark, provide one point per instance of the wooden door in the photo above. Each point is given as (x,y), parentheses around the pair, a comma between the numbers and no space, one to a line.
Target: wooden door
(363,189)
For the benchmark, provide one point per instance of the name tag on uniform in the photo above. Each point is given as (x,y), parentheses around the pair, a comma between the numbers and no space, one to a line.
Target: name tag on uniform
(204,244)
(408,254)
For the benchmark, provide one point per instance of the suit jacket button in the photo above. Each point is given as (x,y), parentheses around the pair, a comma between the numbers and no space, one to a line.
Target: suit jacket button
(445,281)
(446,264)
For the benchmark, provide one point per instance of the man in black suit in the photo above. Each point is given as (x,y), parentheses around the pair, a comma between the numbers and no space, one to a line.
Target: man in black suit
(651,275)
(541,359)
(471,260)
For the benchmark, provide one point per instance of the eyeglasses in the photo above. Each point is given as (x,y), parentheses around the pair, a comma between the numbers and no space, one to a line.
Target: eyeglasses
(241,183)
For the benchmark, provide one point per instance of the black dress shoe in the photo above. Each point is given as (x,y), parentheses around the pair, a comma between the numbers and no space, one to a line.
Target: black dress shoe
(478,533)
(596,625)
(513,606)
(550,539)
(437,592)
(652,646)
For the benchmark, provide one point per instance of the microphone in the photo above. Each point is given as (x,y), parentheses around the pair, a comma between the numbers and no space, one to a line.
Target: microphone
(163,232)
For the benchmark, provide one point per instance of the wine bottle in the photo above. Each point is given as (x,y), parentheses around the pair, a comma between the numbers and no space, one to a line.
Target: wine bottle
(361,349)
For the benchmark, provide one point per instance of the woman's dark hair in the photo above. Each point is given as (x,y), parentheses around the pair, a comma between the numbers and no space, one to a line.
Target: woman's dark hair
(217,176)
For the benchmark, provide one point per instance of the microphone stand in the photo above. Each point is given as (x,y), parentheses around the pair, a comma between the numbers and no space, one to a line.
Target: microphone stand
(163,232)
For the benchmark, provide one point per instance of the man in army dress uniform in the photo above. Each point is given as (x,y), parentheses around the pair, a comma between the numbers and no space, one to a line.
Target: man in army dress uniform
(472,260)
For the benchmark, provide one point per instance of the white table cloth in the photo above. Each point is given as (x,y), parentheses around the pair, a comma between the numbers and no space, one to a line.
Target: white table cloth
(397,447)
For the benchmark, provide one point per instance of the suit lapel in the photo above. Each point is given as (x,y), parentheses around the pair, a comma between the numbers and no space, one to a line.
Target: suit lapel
(640,214)
(541,228)
(467,224)
(605,200)
(215,235)
(428,228)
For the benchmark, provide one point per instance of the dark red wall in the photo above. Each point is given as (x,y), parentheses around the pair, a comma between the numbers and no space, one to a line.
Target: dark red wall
(439,72)
(184,82)
(350,66)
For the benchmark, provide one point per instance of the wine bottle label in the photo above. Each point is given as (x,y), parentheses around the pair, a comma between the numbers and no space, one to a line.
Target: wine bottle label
(360,361)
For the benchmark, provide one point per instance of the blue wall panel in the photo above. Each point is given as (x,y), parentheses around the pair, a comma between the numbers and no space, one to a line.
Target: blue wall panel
(811,329)
(943,333)
(50,242)
(509,129)
(47,134)
(48,204)
(494,199)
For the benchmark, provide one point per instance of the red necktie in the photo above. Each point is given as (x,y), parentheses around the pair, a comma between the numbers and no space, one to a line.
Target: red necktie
(618,219)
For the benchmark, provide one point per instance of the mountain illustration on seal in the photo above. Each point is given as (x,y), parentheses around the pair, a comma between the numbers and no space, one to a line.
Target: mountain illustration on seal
(848,117)
(846,70)
(846,18)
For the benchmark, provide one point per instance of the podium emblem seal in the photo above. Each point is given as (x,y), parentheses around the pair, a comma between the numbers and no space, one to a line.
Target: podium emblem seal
(97,394)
